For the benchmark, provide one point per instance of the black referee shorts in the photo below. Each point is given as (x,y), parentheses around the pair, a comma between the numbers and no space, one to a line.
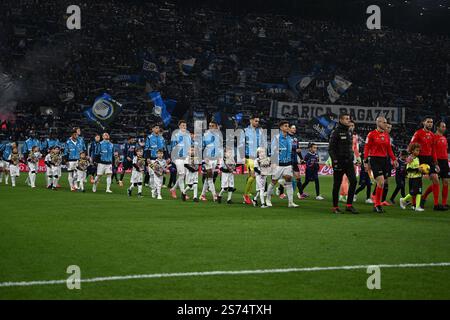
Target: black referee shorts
(429,161)
(379,166)
(444,172)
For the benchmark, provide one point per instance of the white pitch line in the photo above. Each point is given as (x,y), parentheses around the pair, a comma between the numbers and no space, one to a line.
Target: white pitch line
(218,273)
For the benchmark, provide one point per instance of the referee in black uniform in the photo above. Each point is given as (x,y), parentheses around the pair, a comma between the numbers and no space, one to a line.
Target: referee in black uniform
(341,153)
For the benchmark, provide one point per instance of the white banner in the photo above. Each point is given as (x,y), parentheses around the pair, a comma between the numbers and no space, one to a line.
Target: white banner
(308,111)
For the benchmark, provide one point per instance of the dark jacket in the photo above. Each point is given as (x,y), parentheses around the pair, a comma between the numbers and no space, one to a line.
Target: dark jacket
(340,147)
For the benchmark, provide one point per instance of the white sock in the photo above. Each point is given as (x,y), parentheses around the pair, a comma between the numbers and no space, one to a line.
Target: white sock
(33,179)
(81,184)
(139,188)
(70,178)
(230,194)
(13,181)
(205,186)
(158,191)
(131,186)
(181,183)
(6,177)
(1,176)
(55,181)
(261,197)
(96,179)
(270,191)
(289,192)
(195,187)
(108,182)
(221,192)
(151,182)
(211,186)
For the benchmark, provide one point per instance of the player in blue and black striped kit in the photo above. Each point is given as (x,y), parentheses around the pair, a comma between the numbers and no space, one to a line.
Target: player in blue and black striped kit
(312,171)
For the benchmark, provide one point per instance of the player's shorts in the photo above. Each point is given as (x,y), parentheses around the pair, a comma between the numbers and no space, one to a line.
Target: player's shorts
(103,168)
(415,186)
(260,183)
(191,177)
(429,161)
(444,172)
(179,163)
(14,170)
(210,164)
(52,171)
(33,166)
(227,180)
(379,166)
(136,176)
(281,171)
(311,175)
(72,166)
(81,175)
(250,165)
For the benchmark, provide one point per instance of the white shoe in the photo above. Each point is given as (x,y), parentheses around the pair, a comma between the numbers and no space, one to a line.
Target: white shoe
(153,195)
(109,191)
(355,198)
(268,203)
(94,188)
(264,206)
(402,204)
(293,205)
(369,201)
(159,197)
(319,197)
(419,209)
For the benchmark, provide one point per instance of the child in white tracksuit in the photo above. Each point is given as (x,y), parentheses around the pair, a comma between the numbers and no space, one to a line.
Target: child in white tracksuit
(262,170)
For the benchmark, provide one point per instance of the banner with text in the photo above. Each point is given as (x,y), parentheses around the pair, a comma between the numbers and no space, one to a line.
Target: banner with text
(309,111)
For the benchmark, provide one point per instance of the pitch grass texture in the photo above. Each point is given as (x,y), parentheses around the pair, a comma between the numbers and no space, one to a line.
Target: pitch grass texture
(42,232)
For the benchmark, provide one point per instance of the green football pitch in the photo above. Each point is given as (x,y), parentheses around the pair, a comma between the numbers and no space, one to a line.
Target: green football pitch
(168,249)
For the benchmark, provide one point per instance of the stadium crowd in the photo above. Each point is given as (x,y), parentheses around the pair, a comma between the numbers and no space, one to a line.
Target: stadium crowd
(131,49)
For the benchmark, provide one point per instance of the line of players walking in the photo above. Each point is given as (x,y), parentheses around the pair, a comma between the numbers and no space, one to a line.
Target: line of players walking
(149,160)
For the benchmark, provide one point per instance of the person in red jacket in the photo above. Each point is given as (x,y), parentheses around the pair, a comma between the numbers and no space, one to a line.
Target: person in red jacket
(440,146)
(427,155)
(376,150)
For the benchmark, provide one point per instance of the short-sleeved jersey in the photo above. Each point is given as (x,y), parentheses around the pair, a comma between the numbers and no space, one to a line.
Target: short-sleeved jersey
(441,147)
(378,144)
(425,139)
